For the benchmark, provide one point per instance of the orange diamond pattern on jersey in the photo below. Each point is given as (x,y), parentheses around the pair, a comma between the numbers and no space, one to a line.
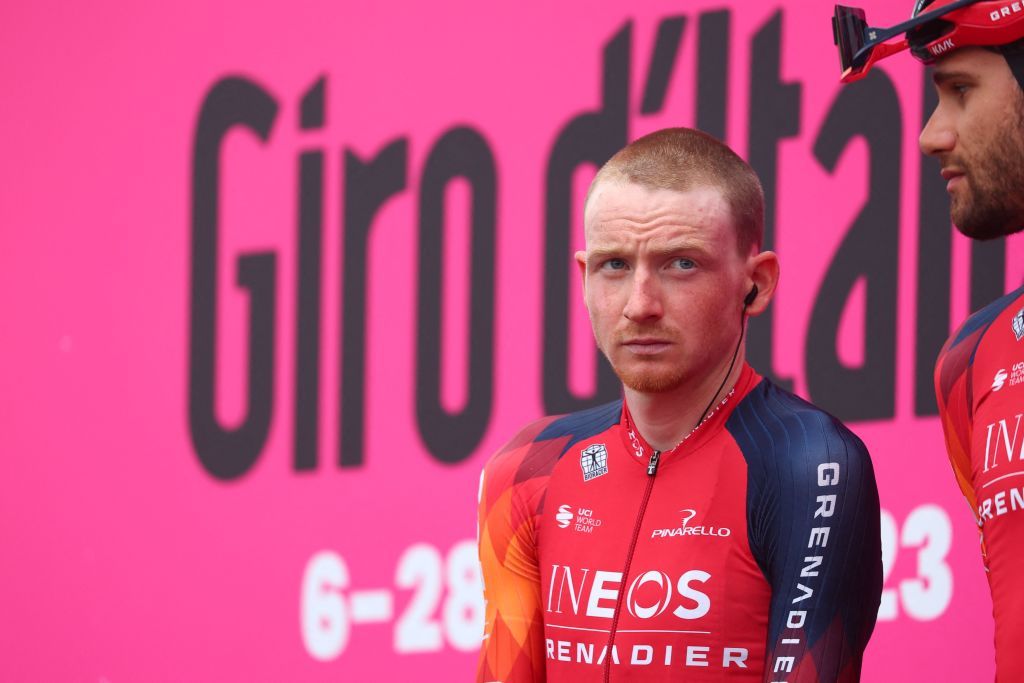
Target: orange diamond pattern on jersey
(953,391)
(511,500)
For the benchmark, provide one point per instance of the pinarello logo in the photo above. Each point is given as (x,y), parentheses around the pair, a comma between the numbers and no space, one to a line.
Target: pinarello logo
(685,529)
(997,382)
(564,516)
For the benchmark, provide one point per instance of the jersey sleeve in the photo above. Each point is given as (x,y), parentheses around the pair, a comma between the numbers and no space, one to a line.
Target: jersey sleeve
(513,642)
(953,397)
(813,521)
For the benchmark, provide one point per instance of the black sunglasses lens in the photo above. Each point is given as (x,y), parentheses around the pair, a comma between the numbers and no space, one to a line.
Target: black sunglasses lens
(849,28)
(920,37)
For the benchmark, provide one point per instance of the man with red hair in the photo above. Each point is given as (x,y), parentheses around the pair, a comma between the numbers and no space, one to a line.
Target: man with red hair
(709,526)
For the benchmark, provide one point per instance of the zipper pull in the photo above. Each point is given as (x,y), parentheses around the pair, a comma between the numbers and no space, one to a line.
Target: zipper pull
(652,466)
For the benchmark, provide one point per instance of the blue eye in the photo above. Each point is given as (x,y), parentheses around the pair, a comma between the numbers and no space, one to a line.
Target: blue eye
(684,264)
(614,264)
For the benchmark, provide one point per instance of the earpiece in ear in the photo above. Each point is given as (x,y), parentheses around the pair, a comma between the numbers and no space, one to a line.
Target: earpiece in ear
(751,295)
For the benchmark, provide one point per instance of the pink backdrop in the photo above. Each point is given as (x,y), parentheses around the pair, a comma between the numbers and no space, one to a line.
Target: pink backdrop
(125,559)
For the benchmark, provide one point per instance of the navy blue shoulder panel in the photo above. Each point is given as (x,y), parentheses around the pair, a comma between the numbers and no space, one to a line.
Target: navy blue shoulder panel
(813,527)
(985,316)
(583,424)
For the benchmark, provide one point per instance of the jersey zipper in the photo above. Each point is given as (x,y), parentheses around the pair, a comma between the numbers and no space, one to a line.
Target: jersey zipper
(652,471)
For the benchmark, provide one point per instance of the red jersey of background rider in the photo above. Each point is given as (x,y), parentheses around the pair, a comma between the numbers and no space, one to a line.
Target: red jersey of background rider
(749,552)
(979,380)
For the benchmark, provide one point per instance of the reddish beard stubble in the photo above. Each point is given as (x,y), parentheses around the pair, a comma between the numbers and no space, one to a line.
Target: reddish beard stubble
(646,374)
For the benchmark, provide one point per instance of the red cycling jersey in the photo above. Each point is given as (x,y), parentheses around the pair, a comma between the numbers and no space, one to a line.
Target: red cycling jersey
(751,551)
(979,381)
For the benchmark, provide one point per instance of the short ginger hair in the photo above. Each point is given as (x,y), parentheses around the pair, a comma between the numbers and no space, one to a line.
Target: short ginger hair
(684,159)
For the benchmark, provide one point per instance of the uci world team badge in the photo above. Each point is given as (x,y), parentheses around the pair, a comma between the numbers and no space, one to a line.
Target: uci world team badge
(1018,324)
(594,461)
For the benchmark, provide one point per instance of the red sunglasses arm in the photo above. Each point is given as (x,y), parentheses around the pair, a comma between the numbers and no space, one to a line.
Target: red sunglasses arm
(880,51)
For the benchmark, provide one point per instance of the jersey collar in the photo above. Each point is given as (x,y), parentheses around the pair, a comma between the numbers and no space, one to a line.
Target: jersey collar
(641,451)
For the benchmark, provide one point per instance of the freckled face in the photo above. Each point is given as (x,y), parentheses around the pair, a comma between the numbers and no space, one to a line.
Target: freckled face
(663,282)
(977,134)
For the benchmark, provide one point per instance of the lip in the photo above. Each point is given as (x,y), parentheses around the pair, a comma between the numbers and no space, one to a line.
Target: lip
(952,176)
(646,346)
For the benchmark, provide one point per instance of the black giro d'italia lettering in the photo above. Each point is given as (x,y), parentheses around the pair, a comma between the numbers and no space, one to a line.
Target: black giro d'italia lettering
(376,174)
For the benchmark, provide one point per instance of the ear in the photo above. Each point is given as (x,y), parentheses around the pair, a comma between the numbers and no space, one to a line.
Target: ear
(581,262)
(763,271)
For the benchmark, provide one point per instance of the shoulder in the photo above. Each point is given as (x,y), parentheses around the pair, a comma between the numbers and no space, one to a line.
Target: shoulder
(808,477)
(777,430)
(978,323)
(537,447)
(957,355)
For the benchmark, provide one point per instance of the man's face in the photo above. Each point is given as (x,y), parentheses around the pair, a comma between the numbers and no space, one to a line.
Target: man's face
(977,134)
(663,281)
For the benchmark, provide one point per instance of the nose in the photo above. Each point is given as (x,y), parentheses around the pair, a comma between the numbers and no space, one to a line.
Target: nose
(644,304)
(938,135)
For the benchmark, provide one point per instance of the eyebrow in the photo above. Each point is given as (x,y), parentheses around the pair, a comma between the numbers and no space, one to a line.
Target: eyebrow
(690,247)
(601,253)
(940,77)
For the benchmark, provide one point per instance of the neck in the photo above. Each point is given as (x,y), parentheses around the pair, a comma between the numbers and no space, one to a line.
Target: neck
(666,418)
